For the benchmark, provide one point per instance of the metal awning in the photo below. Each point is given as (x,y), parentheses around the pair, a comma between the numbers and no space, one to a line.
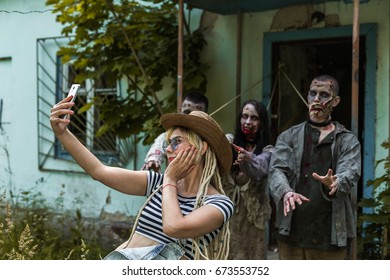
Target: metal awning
(227,7)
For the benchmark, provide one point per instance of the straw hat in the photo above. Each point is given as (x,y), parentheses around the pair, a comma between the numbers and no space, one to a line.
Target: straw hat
(205,126)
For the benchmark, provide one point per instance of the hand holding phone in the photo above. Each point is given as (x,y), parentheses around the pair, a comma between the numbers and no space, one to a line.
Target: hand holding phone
(72,92)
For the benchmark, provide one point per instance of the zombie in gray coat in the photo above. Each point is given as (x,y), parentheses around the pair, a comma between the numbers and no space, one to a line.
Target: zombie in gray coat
(314,168)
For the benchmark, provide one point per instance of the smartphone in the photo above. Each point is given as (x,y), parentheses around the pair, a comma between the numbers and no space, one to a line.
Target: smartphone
(73,92)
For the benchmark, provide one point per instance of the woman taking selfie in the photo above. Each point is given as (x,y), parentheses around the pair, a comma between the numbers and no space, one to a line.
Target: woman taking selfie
(186,214)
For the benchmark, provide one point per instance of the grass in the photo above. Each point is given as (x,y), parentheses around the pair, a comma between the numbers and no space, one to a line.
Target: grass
(37,233)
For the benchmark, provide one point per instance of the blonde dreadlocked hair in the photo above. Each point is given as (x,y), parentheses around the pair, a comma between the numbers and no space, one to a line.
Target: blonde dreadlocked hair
(218,249)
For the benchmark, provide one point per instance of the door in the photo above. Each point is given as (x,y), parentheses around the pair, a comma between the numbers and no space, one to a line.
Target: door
(295,64)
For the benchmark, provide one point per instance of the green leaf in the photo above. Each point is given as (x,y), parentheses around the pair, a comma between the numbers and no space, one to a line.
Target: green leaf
(85,108)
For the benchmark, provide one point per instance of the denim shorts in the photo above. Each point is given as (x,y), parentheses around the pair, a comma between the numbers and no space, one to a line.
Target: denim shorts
(170,251)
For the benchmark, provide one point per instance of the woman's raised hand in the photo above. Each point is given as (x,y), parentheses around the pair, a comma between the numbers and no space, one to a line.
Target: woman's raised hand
(59,116)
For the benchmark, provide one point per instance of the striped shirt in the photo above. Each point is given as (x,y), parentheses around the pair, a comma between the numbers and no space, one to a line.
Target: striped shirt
(150,220)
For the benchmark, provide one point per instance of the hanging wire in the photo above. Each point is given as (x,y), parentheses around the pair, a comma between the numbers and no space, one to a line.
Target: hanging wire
(294,87)
(273,90)
(237,96)
(279,72)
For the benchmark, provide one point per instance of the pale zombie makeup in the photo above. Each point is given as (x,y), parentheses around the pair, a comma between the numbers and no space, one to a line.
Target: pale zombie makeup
(320,98)
(250,121)
(189,106)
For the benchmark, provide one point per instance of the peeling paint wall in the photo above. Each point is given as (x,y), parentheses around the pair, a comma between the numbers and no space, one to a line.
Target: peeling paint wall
(18,134)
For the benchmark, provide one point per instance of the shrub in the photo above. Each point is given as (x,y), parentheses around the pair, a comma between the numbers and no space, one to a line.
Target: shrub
(36,233)
(374,224)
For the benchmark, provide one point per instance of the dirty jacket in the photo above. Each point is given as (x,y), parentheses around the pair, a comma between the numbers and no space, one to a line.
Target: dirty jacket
(284,173)
(254,195)
(156,151)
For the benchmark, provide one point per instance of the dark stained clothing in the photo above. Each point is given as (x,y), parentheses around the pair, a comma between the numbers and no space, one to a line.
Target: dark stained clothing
(285,176)
(311,222)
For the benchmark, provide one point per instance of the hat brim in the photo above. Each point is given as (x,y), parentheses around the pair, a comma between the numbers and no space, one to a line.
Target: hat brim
(206,127)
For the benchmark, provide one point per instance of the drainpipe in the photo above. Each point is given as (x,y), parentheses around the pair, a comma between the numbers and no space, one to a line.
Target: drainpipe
(355,99)
(238,61)
(180,58)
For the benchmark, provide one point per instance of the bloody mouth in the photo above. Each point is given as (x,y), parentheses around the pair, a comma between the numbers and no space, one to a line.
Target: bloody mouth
(316,108)
(246,131)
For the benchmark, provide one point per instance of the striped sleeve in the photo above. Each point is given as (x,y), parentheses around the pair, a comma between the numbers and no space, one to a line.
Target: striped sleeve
(154,181)
(223,204)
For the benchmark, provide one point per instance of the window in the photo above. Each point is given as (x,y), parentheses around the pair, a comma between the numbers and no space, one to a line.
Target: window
(85,125)
(53,82)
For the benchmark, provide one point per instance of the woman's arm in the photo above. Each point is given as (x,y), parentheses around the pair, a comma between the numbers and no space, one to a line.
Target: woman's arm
(126,181)
(200,221)
(197,223)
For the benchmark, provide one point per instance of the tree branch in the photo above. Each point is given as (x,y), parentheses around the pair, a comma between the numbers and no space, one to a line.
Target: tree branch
(146,77)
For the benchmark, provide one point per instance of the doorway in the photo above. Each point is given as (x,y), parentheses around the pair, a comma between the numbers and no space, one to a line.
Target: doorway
(296,63)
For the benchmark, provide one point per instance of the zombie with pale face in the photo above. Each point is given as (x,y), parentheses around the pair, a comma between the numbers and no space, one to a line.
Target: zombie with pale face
(322,98)
(246,187)
(314,167)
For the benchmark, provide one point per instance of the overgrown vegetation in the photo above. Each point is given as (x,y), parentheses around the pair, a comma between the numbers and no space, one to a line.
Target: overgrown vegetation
(34,233)
(374,222)
(135,42)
